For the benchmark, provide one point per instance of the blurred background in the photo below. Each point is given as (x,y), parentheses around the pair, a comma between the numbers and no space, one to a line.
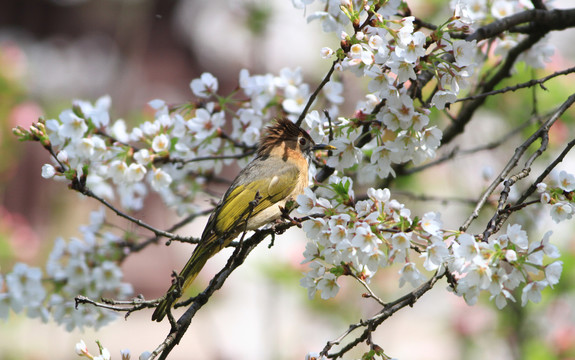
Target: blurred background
(54,51)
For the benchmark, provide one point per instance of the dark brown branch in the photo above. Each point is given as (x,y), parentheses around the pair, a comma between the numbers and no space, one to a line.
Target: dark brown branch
(238,257)
(544,20)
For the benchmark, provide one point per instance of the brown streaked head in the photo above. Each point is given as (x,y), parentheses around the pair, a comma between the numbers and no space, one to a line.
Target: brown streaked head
(283,130)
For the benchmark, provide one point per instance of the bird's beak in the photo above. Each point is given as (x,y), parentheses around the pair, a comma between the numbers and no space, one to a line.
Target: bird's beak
(323,147)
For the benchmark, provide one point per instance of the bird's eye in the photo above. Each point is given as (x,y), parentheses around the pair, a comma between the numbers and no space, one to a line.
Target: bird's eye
(302,141)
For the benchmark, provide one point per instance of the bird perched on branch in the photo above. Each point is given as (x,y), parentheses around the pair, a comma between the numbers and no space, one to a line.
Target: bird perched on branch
(279,173)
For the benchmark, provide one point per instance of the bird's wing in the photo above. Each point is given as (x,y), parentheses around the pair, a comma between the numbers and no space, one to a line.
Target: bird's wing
(273,182)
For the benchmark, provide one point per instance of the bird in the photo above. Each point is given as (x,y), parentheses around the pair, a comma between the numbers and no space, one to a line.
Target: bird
(257,196)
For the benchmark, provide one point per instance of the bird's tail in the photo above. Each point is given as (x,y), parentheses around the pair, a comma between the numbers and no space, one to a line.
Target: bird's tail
(201,254)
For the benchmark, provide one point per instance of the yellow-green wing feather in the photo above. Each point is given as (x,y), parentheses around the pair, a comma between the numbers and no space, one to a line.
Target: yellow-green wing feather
(271,189)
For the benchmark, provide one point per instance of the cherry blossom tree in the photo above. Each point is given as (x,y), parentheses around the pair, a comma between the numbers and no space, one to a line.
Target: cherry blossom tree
(422,85)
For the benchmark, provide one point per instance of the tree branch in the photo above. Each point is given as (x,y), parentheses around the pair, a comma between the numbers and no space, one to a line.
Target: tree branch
(519,151)
(372,323)
(240,254)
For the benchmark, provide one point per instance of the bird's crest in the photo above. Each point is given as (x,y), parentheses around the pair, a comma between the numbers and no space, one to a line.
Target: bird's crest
(282,130)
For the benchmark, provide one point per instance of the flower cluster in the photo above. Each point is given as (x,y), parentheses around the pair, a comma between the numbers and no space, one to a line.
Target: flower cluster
(390,52)
(175,152)
(75,267)
(503,264)
(360,236)
(560,196)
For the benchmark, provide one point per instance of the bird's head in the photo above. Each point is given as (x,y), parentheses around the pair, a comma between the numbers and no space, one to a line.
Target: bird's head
(284,138)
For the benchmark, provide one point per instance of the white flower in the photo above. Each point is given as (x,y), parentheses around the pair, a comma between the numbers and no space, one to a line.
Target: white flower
(48,171)
(289,77)
(443,97)
(541,188)
(313,227)
(517,236)
(251,136)
(307,202)
(532,292)
(402,68)
(365,239)
(503,46)
(332,91)
(561,211)
(511,255)
(375,42)
(553,272)
(62,156)
(135,172)
(548,248)
(409,273)
(346,154)
(160,179)
(295,98)
(538,55)
(467,248)
(326,52)
(389,8)
(161,143)
(73,127)
(435,254)
(25,287)
(360,54)
(77,273)
(205,86)
(501,9)
(464,52)
(410,48)
(107,276)
(328,286)
(81,348)
(54,131)
(117,171)
(431,223)
(97,113)
(157,104)
(204,124)
(566,181)
(379,196)
(85,148)
(143,157)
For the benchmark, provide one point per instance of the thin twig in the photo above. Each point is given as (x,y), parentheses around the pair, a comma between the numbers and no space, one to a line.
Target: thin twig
(545,172)
(76,185)
(519,86)
(372,323)
(316,92)
(370,292)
